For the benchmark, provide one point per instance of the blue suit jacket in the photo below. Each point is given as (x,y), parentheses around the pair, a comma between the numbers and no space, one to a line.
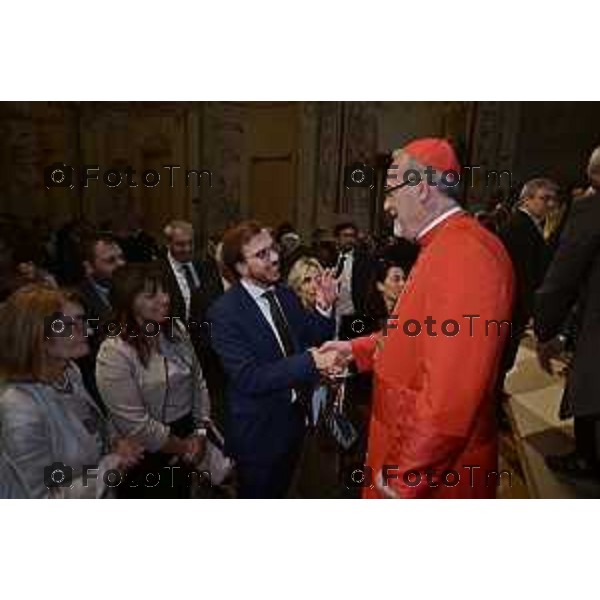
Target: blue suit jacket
(262,423)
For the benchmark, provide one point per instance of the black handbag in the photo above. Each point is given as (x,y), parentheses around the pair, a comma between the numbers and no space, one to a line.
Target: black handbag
(336,423)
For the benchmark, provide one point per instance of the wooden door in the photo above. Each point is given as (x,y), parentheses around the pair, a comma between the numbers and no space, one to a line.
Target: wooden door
(271,143)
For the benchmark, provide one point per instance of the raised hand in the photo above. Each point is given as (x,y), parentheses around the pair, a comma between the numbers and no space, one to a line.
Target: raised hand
(327,292)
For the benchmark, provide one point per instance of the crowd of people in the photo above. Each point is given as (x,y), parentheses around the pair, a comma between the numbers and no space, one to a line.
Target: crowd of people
(131,368)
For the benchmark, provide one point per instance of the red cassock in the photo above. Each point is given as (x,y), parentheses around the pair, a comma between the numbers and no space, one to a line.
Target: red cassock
(433,419)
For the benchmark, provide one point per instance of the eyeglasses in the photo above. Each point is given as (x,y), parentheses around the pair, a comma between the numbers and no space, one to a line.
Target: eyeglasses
(388,190)
(265,253)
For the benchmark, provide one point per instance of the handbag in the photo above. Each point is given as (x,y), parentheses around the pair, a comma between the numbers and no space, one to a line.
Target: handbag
(338,426)
(215,462)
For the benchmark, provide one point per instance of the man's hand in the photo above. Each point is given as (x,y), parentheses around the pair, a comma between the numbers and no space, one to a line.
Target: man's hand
(549,350)
(385,490)
(342,350)
(327,292)
(196,447)
(326,362)
(129,451)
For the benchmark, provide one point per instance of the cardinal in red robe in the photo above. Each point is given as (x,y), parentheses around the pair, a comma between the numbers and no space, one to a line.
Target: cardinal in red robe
(433,424)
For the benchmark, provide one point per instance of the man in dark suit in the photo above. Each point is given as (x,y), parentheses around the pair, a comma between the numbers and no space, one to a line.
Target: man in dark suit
(266,341)
(187,277)
(353,270)
(524,239)
(100,257)
(193,285)
(574,278)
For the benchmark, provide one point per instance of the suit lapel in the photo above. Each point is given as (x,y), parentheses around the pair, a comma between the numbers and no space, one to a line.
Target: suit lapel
(535,229)
(177,302)
(201,283)
(287,309)
(256,319)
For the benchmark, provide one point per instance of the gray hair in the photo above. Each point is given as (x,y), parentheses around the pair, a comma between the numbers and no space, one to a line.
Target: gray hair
(593,169)
(532,186)
(177,224)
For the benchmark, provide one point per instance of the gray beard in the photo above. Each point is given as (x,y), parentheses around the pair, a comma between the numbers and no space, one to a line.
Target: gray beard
(398,230)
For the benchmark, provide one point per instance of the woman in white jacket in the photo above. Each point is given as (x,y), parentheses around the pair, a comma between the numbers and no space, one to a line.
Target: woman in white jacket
(54,441)
(151,382)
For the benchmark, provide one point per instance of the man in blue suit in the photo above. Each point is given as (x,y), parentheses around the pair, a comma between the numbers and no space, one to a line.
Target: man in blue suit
(267,343)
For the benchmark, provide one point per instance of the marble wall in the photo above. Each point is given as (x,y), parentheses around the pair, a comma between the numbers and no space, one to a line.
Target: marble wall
(141,135)
(304,146)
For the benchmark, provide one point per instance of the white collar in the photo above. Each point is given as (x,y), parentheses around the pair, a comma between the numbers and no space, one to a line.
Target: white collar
(255,290)
(438,220)
(537,221)
(175,263)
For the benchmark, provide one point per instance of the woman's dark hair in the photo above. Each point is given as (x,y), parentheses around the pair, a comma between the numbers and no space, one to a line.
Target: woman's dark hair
(129,281)
(374,303)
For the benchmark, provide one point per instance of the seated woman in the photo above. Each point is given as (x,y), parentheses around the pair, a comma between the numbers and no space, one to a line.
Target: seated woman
(51,432)
(152,385)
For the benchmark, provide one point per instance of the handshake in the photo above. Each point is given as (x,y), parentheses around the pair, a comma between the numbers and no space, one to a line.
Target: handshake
(332,358)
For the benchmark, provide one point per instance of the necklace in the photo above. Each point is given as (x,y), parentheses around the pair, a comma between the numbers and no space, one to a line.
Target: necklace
(64,385)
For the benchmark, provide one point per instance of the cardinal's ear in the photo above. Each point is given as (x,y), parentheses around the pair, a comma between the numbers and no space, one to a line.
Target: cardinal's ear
(423,190)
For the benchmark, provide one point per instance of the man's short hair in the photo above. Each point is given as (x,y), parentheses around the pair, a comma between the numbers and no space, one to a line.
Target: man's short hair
(593,168)
(345,225)
(171,226)
(532,187)
(234,239)
(88,244)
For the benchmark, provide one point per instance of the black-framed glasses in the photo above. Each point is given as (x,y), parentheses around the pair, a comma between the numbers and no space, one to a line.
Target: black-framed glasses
(388,190)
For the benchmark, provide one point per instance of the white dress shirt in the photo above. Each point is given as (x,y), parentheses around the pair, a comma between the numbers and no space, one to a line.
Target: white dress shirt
(257,294)
(344,305)
(539,223)
(182,282)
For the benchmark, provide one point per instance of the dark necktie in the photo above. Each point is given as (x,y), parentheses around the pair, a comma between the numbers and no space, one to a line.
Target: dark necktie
(187,271)
(280,323)
(285,336)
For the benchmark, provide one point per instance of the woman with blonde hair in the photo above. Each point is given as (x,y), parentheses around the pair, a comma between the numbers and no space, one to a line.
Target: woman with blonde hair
(317,473)
(304,278)
(52,435)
